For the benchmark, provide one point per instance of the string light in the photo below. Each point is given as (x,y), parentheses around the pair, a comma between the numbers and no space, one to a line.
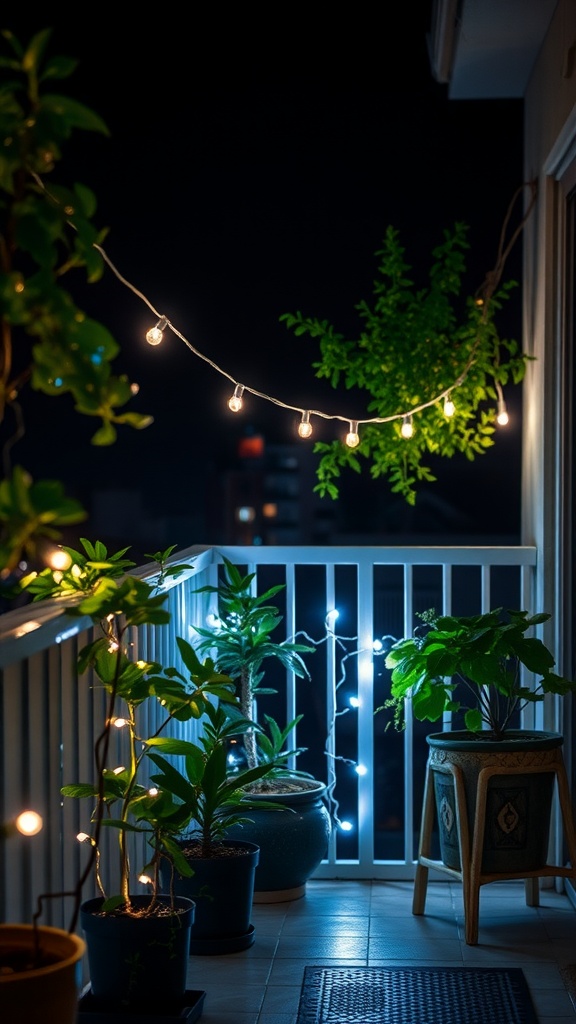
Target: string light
(29,823)
(305,427)
(155,335)
(502,415)
(235,403)
(407,428)
(353,437)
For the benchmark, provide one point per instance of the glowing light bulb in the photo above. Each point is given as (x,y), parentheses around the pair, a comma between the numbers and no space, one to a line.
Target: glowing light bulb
(346,826)
(153,791)
(29,823)
(377,645)
(119,723)
(83,837)
(235,403)
(407,428)
(145,879)
(305,427)
(58,559)
(449,407)
(354,702)
(331,617)
(119,770)
(502,418)
(352,438)
(361,769)
(155,334)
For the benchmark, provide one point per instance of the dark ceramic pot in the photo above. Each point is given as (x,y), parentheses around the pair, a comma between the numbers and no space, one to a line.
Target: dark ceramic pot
(292,843)
(518,804)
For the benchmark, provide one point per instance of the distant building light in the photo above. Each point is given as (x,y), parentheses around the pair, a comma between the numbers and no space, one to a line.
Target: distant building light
(245,514)
(270,510)
(251,447)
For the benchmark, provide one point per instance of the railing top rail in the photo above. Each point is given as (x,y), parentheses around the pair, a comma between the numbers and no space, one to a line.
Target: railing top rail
(35,627)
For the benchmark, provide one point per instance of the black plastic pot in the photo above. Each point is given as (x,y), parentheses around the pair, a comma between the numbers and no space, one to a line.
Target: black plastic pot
(518,805)
(222,888)
(137,962)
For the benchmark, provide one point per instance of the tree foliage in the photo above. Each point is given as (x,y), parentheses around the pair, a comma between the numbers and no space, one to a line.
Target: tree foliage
(47,236)
(415,345)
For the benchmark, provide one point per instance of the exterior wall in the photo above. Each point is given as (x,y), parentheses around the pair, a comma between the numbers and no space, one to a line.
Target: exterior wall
(550,136)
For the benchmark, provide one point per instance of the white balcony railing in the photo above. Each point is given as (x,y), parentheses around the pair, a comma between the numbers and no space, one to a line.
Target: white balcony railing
(49,716)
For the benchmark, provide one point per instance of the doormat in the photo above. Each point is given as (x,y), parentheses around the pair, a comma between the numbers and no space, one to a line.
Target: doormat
(415,995)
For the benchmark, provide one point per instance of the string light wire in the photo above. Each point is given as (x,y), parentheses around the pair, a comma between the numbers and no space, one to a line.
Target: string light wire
(154,335)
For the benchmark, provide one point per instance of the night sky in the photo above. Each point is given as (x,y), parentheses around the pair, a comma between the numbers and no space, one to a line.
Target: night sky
(253,166)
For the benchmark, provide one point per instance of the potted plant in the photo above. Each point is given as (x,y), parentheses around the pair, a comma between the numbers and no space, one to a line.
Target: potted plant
(137,943)
(39,965)
(473,666)
(215,871)
(241,641)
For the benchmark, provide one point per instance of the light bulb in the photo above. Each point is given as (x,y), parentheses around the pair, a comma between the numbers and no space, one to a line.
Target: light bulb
(305,427)
(58,559)
(448,406)
(361,769)
(155,334)
(502,417)
(407,427)
(353,437)
(331,617)
(346,826)
(29,823)
(235,402)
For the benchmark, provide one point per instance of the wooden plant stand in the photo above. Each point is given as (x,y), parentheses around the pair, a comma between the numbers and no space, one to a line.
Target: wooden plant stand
(471,846)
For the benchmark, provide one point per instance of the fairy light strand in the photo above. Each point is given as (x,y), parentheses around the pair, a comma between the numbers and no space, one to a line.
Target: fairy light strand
(352,438)
(154,336)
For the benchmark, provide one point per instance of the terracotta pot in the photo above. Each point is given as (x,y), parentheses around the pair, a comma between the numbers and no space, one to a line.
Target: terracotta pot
(49,993)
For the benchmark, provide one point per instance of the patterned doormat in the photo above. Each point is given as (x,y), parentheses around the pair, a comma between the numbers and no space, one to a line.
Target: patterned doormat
(415,995)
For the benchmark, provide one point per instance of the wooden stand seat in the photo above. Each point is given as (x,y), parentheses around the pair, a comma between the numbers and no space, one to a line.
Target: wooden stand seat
(471,846)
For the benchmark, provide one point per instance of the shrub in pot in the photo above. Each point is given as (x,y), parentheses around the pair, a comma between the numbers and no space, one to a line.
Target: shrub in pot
(472,666)
(242,641)
(143,939)
(205,864)
(39,965)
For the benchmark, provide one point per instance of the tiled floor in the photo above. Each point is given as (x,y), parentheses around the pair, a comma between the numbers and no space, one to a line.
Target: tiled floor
(370,924)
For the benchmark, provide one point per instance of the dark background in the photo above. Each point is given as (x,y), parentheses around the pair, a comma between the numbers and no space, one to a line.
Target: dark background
(254,163)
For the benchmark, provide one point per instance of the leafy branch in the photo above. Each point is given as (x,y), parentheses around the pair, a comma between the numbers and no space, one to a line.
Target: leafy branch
(415,346)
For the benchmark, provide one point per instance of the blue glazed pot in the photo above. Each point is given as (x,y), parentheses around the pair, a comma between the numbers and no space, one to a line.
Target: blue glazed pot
(292,843)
